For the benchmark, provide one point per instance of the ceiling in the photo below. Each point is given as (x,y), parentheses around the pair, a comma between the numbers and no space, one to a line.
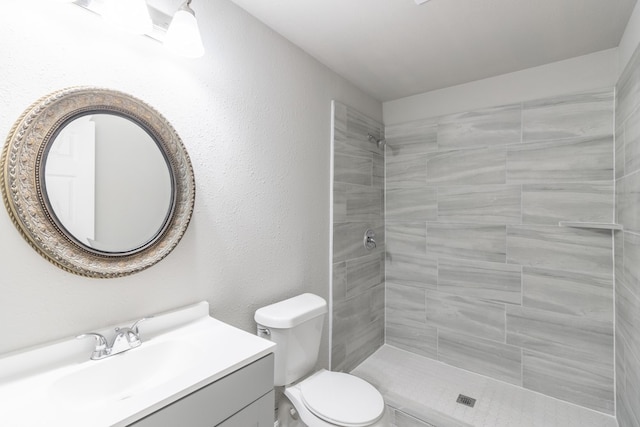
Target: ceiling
(395,48)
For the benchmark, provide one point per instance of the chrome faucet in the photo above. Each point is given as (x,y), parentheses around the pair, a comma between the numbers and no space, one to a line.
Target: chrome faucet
(125,339)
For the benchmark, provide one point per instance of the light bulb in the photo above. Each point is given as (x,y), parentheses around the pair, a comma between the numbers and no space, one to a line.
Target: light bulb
(131,16)
(183,35)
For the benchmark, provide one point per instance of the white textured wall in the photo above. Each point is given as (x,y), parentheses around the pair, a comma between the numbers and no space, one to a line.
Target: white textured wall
(593,71)
(254,115)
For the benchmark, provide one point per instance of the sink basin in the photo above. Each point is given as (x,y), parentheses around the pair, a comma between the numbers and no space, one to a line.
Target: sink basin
(119,377)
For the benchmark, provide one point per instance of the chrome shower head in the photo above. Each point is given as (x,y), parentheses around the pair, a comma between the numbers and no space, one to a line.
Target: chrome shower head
(381,143)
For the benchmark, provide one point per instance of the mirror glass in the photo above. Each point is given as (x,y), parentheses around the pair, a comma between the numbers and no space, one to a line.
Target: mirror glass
(107,183)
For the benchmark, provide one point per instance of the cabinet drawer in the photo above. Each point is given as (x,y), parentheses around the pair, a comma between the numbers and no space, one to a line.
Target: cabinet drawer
(218,401)
(259,414)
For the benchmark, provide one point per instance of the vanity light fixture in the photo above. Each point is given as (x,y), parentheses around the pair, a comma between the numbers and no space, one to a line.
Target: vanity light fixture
(183,35)
(131,16)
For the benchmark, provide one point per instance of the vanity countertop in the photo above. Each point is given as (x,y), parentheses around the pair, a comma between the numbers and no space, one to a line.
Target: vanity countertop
(182,351)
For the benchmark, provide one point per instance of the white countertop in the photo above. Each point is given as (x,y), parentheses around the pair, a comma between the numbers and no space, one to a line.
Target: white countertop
(206,350)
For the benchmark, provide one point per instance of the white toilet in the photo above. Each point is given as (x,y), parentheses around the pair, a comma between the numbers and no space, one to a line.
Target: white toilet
(314,399)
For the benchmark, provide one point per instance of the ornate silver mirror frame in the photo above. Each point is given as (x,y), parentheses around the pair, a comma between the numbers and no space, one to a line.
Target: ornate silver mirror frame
(22,165)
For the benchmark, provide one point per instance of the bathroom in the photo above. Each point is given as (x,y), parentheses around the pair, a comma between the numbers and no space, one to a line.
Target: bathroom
(255,115)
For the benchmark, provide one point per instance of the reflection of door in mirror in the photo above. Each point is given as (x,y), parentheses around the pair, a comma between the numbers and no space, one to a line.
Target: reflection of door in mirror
(70,178)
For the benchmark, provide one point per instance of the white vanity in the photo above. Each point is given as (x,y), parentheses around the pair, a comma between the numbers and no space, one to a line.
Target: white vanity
(190,370)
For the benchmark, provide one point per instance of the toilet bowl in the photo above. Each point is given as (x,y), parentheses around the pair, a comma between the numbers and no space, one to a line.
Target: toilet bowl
(314,399)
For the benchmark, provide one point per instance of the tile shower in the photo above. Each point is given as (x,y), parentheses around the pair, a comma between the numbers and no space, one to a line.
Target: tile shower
(477,272)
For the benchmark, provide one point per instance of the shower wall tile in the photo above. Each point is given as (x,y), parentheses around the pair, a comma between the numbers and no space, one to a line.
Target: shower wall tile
(551,203)
(480,128)
(487,281)
(561,335)
(406,171)
(631,269)
(628,89)
(419,270)
(411,204)
(482,319)
(632,143)
(582,114)
(406,237)
(358,327)
(499,275)
(484,204)
(568,160)
(467,167)
(412,138)
(628,208)
(348,239)
(364,273)
(628,320)
(494,359)
(406,325)
(570,380)
(571,249)
(353,169)
(358,204)
(467,241)
(564,292)
(619,152)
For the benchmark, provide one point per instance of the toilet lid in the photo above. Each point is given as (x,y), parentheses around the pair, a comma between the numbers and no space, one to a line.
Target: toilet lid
(342,399)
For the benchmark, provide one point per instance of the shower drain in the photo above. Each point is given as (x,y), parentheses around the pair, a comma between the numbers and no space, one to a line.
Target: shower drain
(466,400)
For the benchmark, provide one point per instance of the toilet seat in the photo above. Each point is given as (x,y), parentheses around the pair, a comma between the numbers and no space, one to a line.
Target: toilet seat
(342,399)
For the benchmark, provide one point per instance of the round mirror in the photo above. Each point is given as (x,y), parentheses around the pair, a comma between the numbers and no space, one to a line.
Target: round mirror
(97,181)
(107,201)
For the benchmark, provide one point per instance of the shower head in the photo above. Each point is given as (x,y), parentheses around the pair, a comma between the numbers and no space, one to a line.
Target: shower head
(381,143)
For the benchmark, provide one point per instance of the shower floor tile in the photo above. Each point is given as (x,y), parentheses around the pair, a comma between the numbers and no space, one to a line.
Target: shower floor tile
(423,392)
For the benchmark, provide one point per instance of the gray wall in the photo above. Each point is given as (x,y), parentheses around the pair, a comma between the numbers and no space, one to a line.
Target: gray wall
(478,273)
(358,204)
(627,245)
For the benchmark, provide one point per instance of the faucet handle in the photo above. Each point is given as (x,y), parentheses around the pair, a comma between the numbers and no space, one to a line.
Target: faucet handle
(101,344)
(134,327)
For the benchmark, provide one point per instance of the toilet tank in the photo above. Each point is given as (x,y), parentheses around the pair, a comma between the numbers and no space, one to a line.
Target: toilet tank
(295,325)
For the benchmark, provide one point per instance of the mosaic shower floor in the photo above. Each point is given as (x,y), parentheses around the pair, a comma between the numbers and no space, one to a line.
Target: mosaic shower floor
(423,392)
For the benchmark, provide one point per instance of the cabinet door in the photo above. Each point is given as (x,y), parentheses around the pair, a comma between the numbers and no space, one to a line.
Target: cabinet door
(259,414)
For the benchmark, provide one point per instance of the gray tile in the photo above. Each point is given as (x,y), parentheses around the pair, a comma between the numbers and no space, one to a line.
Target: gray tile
(467,167)
(633,391)
(631,267)
(358,328)
(582,202)
(632,143)
(406,171)
(490,358)
(478,128)
(568,379)
(406,325)
(628,202)
(340,201)
(485,204)
(412,138)
(351,130)
(482,319)
(353,169)
(488,281)
(364,203)
(467,241)
(560,248)
(628,88)
(348,239)
(364,273)
(619,152)
(378,171)
(583,114)
(568,160)
(339,281)
(628,320)
(561,335)
(578,294)
(618,248)
(410,204)
(419,270)
(406,237)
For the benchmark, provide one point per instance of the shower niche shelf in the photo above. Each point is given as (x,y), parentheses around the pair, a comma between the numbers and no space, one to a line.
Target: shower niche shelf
(593,225)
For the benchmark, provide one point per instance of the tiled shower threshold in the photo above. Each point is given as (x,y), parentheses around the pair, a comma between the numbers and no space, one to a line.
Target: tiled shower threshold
(422,392)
